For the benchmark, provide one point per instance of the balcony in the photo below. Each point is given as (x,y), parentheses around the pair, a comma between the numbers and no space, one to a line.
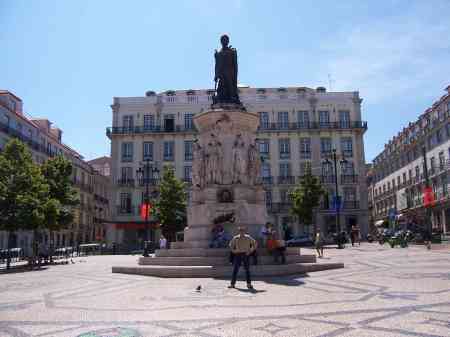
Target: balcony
(187,181)
(349,179)
(126,210)
(350,204)
(286,180)
(278,207)
(124,182)
(328,179)
(125,130)
(305,155)
(312,126)
(149,181)
(267,180)
(27,140)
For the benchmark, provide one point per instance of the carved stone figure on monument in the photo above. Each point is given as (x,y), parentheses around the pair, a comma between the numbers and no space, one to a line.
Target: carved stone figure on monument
(198,166)
(239,161)
(218,152)
(254,164)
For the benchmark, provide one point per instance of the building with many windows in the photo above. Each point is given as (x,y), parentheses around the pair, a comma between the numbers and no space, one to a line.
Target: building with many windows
(45,141)
(299,128)
(397,179)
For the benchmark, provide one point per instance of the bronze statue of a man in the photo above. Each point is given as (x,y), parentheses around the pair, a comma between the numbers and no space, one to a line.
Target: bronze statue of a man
(226,73)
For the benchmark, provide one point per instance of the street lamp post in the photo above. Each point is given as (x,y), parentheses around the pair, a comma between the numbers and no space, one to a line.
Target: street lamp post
(337,201)
(144,173)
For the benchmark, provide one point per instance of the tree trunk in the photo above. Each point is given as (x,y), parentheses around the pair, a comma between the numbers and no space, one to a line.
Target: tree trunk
(8,253)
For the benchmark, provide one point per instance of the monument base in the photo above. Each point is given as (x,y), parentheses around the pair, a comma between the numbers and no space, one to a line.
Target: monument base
(201,262)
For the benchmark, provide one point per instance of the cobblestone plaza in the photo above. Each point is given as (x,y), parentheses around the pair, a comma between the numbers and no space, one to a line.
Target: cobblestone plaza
(380,292)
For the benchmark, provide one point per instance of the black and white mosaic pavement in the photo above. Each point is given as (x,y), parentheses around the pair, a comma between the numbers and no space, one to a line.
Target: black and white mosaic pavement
(380,292)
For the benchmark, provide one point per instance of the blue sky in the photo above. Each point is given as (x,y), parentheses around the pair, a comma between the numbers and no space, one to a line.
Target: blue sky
(67,59)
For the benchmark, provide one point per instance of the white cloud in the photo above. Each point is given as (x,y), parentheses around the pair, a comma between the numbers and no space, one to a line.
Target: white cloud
(390,57)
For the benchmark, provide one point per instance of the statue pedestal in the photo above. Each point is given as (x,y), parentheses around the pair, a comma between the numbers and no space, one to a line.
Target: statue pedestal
(226,178)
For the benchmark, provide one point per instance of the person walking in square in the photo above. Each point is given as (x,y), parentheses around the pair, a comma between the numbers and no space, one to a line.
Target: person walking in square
(242,246)
(319,243)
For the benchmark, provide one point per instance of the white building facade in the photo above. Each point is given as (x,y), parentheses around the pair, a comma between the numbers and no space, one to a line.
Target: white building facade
(398,175)
(299,127)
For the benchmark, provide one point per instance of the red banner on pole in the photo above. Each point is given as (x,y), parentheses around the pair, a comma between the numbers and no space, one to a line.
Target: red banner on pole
(428,197)
(146,210)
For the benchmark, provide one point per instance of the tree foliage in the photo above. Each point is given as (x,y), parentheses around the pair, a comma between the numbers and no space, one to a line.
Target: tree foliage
(171,205)
(24,194)
(305,197)
(57,172)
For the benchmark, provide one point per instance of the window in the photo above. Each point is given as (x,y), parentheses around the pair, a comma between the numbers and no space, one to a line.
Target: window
(347,146)
(188,150)
(126,174)
(417,172)
(125,202)
(283,120)
(264,147)
(149,122)
(188,174)
(324,119)
(432,164)
(147,151)
(188,121)
(284,148)
(285,169)
(303,119)
(410,174)
(439,136)
(169,150)
(264,120)
(127,122)
(327,169)
(169,123)
(441,160)
(393,183)
(305,148)
(325,146)
(344,119)
(348,168)
(127,151)
(265,170)
(404,177)
(268,197)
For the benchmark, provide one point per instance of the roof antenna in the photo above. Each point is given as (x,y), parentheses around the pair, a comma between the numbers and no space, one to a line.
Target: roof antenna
(330,82)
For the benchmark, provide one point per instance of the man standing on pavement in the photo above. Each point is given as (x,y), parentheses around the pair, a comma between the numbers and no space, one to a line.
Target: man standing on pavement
(242,246)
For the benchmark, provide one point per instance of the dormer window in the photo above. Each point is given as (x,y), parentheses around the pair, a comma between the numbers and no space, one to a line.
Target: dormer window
(301,90)
(321,89)
(170,93)
(261,91)
(150,93)
(282,90)
(190,92)
(210,92)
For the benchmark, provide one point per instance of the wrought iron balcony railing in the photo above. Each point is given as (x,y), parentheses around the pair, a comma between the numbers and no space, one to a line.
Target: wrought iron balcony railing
(286,180)
(124,130)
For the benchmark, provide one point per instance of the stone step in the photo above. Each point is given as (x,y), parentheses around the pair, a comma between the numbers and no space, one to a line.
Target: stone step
(219,260)
(210,252)
(225,271)
(190,244)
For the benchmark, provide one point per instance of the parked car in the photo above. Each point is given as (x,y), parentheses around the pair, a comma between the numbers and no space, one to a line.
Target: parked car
(301,240)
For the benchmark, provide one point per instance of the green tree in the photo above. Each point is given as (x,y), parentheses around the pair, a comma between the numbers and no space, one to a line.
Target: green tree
(57,173)
(305,197)
(171,205)
(24,193)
